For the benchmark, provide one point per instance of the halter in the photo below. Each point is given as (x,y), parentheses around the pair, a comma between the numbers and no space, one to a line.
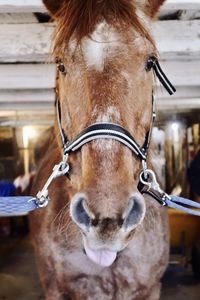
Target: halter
(110,130)
(105,131)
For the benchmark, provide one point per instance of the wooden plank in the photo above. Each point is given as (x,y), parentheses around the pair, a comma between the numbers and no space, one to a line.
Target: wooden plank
(183,73)
(37,6)
(181,5)
(42,76)
(25,42)
(189,15)
(48,95)
(23,106)
(29,96)
(182,92)
(185,99)
(22,117)
(32,42)
(178,104)
(184,15)
(178,39)
(11,114)
(173,105)
(27,76)
(43,121)
(24,6)
(17,18)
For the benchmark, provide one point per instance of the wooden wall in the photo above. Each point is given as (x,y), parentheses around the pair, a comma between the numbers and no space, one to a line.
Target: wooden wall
(27,82)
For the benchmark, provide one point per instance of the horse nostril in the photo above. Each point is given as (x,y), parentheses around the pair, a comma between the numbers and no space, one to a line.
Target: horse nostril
(79,212)
(94,222)
(120,222)
(135,212)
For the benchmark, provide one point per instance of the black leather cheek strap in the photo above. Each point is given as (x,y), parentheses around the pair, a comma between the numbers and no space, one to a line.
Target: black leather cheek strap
(163,78)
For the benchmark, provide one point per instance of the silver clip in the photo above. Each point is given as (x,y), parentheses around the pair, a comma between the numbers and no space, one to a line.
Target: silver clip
(151,181)
(153,186)
(58,170)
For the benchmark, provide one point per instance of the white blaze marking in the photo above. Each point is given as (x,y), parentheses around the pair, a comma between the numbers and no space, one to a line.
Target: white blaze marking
(98,47)
(111,114)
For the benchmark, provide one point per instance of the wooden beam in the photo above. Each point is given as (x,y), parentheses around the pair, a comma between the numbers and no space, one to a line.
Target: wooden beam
(32,42)
(25,42)
(185,99)
(181,5)
(42,76)
(21,117)
(27,76)
(43,121)
(178,39)
(189,15)
(11,114)
(11,6)
(182,92)
(173,105)
(48,95)
(24,106)
(178,105)
(183,73)
(17,18)
(29,96)
(22,6)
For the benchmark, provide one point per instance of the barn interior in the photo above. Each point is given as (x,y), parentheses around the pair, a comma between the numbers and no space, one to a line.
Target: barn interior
(27,96)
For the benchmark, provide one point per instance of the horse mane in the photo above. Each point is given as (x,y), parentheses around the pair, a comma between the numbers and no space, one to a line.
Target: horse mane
(78,18)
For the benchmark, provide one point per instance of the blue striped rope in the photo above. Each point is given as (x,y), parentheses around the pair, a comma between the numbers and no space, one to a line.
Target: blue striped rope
(174,200)
(21,205)
(17,205)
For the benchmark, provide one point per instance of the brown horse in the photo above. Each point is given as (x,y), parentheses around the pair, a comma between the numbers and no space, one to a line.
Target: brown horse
(99,238)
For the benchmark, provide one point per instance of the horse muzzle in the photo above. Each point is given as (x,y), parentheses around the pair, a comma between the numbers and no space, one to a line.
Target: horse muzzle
(105,236)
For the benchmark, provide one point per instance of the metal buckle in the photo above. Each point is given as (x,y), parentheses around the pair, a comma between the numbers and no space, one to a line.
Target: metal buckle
(151,186)
(58,170)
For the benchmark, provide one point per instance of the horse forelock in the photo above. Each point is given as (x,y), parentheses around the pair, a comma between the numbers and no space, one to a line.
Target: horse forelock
(78,19)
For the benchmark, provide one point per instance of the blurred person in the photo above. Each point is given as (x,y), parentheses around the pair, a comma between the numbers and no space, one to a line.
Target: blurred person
(193,175)
(194,181)
(23,183)
(7,188)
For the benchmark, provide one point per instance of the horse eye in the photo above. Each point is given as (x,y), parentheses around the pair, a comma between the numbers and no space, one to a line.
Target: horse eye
(61,67)
(150,63)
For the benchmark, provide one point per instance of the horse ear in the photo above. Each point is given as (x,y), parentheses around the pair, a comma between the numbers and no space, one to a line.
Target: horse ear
(53,6)
(152,7)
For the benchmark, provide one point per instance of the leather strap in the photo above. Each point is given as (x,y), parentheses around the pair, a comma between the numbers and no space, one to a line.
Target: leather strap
(106,131)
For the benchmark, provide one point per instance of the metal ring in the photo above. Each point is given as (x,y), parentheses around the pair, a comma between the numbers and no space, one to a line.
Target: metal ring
(144,174)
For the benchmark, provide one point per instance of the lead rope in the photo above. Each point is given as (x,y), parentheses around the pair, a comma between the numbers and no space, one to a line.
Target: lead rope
(20,205)
(149,185)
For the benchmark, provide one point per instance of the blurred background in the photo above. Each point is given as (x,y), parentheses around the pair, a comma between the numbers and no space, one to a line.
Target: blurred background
(27,98)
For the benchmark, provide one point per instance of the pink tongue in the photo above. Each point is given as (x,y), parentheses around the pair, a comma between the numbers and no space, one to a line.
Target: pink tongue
(104,258)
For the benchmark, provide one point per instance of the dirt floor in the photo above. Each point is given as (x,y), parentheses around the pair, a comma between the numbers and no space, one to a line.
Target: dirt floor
(19,279)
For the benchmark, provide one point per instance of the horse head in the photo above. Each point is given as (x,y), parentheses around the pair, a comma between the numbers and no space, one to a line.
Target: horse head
(104,47)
